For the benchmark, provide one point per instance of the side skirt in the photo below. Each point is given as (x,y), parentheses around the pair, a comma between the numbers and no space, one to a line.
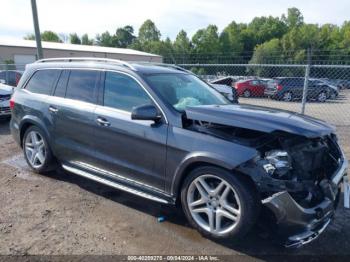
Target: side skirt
(118,185)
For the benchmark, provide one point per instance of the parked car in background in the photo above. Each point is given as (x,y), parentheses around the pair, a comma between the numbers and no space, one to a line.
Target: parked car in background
(10,77)
(332,88)
(291,88)
(5,96)
(250,87)
(229,92)
(344,84)
(227,80)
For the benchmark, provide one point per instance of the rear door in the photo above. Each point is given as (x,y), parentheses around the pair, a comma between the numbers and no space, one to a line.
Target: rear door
(126,148)
(298,87)
(71,108)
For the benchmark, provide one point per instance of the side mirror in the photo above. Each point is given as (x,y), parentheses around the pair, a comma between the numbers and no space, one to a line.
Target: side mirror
(146,112)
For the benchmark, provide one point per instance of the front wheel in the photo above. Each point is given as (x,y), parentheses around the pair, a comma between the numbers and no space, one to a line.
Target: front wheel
(37,151)
(219,204)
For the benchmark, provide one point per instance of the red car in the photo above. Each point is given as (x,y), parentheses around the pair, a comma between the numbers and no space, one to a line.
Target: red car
(250,87)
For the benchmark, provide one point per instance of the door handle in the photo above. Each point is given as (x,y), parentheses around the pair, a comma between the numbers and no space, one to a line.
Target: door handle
(102,121)
(53,109)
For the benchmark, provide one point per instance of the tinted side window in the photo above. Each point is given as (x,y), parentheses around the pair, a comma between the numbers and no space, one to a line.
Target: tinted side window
(61,86)
(122,92)
(82,85)
(42,81)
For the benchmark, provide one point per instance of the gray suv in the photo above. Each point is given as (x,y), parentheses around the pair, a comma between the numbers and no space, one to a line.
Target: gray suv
(159,132)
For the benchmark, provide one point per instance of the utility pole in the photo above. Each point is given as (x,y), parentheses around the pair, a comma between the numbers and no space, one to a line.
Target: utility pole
(37,30)
(306,81)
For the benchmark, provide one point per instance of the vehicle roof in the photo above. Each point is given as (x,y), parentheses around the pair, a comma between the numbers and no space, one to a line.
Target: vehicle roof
(137,67)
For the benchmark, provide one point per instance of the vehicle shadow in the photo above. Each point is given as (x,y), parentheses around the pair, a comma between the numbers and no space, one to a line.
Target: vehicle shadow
(257,243)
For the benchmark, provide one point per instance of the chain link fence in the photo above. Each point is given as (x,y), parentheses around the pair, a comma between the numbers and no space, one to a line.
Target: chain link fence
(321,91)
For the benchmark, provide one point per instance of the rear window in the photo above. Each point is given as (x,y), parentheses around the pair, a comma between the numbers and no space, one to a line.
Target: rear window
(42,81)
(82,85)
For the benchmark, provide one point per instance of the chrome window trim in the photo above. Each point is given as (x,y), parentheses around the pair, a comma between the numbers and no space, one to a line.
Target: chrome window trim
(103,70)
(142,86)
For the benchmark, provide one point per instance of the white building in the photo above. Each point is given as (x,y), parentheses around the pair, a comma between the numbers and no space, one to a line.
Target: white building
(24,52)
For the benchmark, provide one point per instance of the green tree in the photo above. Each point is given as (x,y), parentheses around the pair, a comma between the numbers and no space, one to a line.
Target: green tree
(50,36)
(266,53)
(267,28)
(294,17)
(105,39)
(231,40)
(124,36)
(85,40)
(148,32)
(29,37)
(206,41)
(47,36)
(182,46)
(74,39)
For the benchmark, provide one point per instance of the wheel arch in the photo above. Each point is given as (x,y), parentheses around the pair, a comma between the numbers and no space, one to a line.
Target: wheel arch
(29,121)
(192,163)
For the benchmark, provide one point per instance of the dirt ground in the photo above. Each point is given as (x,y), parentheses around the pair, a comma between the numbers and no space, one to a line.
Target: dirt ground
(61,214)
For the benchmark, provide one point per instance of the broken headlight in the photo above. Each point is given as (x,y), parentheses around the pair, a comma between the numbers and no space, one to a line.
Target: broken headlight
(279,163)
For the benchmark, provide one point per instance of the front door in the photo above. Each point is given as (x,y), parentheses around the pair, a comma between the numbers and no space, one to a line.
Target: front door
(128,149)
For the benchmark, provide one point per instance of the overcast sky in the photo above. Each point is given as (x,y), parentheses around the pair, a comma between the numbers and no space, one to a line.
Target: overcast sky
(170,16)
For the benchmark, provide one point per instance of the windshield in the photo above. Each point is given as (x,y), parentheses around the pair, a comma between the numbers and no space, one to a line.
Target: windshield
(184,90)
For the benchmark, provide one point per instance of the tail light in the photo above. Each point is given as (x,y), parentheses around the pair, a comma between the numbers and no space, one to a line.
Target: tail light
(12,103)
(279,87)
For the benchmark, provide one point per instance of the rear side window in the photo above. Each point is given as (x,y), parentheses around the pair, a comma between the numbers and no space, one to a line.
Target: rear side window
(122,92)
(42,81)
(82,85)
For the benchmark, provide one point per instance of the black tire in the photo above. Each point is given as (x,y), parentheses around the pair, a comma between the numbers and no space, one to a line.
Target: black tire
(49,163)
(249,201)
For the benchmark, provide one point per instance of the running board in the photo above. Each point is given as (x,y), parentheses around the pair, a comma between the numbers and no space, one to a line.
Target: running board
(113,184)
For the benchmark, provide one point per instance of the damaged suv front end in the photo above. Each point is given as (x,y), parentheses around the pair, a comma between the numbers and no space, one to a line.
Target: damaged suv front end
(298,167)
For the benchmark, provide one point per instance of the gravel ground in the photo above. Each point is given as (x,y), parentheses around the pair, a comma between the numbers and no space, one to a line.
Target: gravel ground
(61,214)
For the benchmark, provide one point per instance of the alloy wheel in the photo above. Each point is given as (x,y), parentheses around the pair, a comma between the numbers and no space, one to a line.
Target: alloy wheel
(246,93)
(322,97)
(287,97)
(213,204)
(35,149)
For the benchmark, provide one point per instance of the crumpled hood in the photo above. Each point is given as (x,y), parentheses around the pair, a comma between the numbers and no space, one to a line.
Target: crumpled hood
(262,119)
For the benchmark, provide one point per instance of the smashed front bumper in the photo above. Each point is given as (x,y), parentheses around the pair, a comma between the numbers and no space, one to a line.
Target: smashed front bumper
(297,225)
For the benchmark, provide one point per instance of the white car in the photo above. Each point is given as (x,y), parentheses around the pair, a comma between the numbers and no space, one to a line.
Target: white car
(5,96)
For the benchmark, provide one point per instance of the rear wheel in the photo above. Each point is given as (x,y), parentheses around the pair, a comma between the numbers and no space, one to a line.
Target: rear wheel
(218,204)
(247,93)
(37,151)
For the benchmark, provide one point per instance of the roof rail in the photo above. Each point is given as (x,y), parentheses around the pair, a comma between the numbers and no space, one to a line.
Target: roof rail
(86,59)
(166,65)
